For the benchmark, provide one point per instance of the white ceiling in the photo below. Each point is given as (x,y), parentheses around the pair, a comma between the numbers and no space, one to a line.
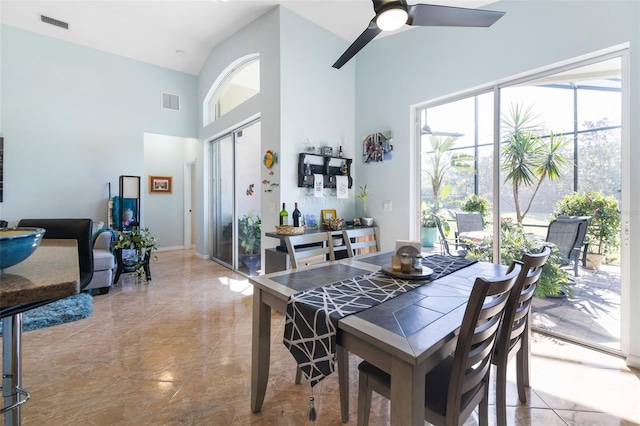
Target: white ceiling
(153,31)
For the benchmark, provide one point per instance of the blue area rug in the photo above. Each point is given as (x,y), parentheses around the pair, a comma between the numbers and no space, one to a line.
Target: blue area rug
(61,311)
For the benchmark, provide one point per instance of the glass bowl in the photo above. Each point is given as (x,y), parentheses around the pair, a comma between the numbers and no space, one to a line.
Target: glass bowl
(17,244)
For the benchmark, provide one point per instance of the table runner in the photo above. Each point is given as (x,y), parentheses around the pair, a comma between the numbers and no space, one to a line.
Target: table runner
(312,316)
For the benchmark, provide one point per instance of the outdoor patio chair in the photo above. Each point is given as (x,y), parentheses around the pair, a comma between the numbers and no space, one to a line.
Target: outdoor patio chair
(468,222)
(460,382)
(515,332)
(445,244)
(568,233)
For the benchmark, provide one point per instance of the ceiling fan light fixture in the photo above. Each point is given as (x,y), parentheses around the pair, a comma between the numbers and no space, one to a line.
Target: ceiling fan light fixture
(392,18)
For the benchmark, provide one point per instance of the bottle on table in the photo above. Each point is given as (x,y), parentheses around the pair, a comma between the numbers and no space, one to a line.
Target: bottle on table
(284,216)
(296,216)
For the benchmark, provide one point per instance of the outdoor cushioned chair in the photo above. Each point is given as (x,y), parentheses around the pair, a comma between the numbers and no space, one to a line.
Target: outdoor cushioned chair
(445,244)
(460,382)
(567,233)
(468,222)
(515,331)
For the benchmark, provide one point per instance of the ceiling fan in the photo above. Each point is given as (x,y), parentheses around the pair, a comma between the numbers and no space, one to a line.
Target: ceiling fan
(392,14)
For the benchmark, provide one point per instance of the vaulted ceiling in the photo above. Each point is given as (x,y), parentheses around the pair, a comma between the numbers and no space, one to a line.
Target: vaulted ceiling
(179,34)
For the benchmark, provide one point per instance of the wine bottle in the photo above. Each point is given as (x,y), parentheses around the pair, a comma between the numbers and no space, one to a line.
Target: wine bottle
(284,217)
(296,216)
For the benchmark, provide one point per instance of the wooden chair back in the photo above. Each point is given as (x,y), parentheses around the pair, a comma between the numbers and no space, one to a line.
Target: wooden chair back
(302,248)
(478,335)
(365,240)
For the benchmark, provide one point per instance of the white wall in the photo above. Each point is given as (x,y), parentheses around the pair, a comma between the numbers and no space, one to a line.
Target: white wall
(74,120)
(427,63)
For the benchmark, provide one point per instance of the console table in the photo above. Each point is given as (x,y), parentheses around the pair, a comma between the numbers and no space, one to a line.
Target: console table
(277,258)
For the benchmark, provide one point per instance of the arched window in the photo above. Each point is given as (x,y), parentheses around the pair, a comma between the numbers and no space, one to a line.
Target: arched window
(237,83)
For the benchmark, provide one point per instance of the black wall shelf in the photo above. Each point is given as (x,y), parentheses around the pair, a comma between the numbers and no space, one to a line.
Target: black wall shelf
(329,167)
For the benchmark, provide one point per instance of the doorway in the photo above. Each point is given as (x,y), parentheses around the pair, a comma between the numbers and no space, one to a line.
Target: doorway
(236,199)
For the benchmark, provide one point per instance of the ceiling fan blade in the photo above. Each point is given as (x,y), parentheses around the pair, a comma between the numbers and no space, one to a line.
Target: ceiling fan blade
(430,15)
(367,35)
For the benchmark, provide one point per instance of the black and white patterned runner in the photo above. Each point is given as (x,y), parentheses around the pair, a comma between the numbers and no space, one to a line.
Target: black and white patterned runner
(312,316)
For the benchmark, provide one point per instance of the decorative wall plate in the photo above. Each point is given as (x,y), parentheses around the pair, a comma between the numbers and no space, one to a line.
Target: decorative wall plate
(270,158)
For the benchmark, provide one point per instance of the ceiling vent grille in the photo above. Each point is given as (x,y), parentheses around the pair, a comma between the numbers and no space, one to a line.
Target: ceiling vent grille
(55,22)
(170,101)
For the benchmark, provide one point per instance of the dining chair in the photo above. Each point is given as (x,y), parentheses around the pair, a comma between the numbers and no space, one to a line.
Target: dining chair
(515,331)
(445,244)
(568,234)
(468,222)
(460,382)
(308,246)
(365,240)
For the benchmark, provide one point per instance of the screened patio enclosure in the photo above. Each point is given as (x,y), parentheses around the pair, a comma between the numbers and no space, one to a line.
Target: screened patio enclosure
(575,113)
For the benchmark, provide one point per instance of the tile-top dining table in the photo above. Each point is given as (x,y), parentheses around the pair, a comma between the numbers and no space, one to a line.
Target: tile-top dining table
(405,336)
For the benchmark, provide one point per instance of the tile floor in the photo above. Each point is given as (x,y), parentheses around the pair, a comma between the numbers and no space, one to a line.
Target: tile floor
(178,352)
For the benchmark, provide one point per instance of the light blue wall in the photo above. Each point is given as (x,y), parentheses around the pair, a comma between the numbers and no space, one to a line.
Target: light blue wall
(262,36)
(415,66)
(318,104)
(301,97)
(74,119)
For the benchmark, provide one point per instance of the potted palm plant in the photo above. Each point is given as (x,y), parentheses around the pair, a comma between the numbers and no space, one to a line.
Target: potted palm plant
(363,194)
(249,235)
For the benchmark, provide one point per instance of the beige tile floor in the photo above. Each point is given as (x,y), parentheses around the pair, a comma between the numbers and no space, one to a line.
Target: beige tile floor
(178,352)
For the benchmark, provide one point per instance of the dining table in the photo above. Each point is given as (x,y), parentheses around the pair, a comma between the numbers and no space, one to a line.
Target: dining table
(405,336)
(52,272)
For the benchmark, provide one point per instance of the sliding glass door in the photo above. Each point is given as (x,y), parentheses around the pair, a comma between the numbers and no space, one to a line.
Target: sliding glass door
(235,210)
(557,152)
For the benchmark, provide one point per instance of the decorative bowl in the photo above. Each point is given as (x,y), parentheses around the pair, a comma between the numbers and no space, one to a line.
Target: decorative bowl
(334,224)
(17,244)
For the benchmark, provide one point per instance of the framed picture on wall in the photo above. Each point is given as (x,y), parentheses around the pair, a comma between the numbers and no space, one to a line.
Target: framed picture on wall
(328,214)
(161,184)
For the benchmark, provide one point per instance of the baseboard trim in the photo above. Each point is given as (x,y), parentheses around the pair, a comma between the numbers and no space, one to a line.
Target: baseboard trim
(633,361)
(170,248)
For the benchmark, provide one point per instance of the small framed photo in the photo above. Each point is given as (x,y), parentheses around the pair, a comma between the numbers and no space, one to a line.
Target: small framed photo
(160,184)
(328,214)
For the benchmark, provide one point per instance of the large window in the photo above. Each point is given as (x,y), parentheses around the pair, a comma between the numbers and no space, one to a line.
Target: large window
(238,83)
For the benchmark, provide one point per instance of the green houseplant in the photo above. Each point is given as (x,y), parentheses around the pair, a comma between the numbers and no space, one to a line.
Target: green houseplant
(428,231)
(603,233)
(249,236)
(142,242)
(362,195)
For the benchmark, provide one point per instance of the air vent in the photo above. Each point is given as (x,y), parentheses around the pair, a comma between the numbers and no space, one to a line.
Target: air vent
(56,22)
(170,101)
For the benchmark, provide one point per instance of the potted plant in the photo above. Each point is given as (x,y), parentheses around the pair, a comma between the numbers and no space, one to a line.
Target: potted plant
(363,194)
(249,235)
(603,233)
(428,231)
(143,243)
